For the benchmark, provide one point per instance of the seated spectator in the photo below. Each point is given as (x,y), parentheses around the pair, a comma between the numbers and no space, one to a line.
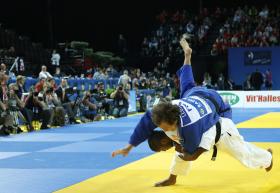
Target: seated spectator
(69,107)
(20,80)
(39,86)
(3,69)
(111,71)
(97,74)
(124,79)
(44,73)
(50,83)
(143,84)
(120,97)
(57,73)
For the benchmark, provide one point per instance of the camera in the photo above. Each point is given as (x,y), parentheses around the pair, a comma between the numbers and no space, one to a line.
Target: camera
(35,94)
(120,88)
(49,90)
(72,90)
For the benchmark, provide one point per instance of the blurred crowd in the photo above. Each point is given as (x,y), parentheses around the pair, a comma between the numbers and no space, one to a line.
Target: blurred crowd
(256,80)
(164,40)
(50,103)
(248,27)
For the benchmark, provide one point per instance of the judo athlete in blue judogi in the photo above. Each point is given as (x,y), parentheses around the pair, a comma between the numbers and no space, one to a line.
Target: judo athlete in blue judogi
(199,121)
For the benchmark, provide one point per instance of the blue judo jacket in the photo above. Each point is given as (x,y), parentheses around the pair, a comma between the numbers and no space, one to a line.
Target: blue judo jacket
(198,114)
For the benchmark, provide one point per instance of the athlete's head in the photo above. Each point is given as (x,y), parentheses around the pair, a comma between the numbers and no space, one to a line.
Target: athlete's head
(159,141)
(166,115)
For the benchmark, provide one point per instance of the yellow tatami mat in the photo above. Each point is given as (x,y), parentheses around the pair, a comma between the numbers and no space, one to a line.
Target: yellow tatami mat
(269,120)
(225,175)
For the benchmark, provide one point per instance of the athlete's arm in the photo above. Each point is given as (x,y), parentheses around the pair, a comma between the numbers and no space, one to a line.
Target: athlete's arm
(185,72)
(187,51)
(142,131)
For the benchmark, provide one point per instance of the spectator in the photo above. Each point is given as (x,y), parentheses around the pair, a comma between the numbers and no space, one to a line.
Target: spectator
(57,73)
(124,79)
(256,80)
(166,90)
(143,84)
(268,79)
(120,97)
(214,50)
(247,83)
(69,107)
(55,58)
(111,71)
(207,80)
(44,73)
(40,85)
(190,27)
(264,13)
(100,74)
(3,69)
(221,82)
(20,87)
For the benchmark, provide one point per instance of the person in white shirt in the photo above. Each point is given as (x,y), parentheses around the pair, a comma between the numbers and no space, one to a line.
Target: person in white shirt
(124,79)
(44,73)
(55,58)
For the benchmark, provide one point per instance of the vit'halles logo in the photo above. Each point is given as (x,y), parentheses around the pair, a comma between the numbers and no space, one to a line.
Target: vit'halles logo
(231,98)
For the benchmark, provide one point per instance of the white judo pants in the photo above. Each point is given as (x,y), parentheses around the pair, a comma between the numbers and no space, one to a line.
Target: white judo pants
(231,142)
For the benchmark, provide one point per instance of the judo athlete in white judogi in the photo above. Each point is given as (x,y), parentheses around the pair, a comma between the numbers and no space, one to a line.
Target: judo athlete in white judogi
(199,121)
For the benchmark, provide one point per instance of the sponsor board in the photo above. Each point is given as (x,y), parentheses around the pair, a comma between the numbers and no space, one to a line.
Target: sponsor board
(252,99)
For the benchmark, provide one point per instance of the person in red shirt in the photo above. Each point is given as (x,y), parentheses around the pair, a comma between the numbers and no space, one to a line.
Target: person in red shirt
(40,85)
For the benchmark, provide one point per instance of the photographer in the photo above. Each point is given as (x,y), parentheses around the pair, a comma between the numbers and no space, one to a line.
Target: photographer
(102,98)
(5,118)
(14,106)
(120,97)
(57,111)
(37,108)
(89,107)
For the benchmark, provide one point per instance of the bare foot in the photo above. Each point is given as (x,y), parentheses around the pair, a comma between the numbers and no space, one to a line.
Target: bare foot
(270,167)
(185,45)
(171,180)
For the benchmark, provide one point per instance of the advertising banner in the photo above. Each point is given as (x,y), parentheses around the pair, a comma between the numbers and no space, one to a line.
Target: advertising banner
(252,99)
